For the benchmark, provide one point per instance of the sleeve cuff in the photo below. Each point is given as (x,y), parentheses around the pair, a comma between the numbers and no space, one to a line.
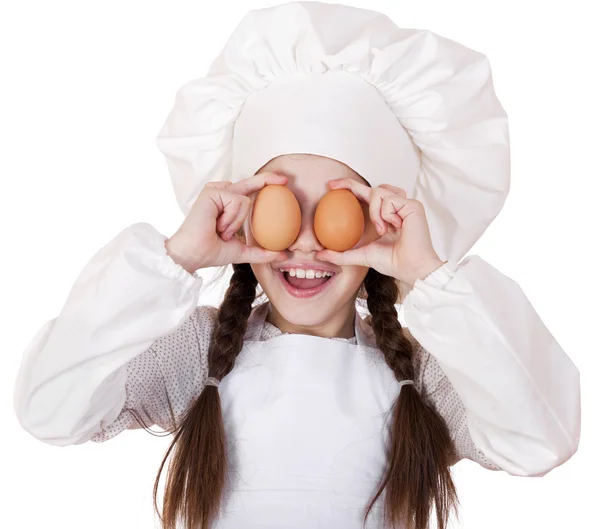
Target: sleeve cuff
(438,279)
(154,241)
(440,276)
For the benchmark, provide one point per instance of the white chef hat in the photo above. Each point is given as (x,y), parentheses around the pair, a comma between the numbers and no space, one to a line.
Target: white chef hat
(400,106)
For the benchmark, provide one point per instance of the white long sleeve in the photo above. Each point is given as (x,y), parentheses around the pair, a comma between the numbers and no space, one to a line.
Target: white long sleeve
(72,380)
(434,386)
(520,390)
(131,334)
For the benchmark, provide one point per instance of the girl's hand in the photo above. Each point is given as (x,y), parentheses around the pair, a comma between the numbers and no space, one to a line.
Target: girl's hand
(403,249)
(207,235)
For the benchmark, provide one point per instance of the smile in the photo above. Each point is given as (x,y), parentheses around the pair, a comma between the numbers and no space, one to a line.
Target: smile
(302,283)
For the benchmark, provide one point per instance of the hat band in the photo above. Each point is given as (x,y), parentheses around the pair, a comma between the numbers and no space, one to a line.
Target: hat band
(333,114)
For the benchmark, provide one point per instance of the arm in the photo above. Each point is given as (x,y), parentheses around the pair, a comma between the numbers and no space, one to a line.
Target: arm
(519,393)
(435,387)
(72,380)
(171,372)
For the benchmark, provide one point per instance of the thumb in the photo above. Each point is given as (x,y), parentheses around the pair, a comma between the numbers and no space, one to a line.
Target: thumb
(349,257)
(254,254)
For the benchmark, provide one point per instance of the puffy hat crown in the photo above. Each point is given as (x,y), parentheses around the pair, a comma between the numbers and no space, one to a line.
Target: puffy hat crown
(400,106)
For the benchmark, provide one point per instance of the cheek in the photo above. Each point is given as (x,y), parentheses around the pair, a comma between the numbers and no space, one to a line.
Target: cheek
(264,274)
(354,276)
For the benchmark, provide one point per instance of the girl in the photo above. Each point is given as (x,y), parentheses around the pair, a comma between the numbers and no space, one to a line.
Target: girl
(288,408)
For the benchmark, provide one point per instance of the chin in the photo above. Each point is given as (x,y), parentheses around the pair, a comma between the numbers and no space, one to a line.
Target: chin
(304,317)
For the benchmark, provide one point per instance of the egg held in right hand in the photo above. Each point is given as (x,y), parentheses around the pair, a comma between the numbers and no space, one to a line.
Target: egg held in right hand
(276,218)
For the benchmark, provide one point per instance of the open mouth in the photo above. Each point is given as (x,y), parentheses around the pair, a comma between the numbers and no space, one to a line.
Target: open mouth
(303,287)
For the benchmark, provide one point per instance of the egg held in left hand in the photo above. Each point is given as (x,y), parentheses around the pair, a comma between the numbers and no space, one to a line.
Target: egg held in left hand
(339,220)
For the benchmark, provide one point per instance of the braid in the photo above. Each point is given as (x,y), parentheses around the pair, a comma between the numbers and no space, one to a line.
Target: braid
(198,469)
(232,321)
(382,293)
(421,451)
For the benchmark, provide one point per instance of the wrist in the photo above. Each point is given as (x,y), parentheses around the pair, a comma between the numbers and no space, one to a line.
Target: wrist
(176,250)
(425,270)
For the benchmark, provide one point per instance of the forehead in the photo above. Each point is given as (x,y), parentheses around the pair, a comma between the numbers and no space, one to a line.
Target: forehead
(308,174)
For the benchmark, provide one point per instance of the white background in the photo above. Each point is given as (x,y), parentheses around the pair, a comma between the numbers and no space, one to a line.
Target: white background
(86,87)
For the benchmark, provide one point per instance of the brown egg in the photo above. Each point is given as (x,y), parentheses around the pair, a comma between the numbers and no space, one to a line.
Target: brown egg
(339,220)
(276,217)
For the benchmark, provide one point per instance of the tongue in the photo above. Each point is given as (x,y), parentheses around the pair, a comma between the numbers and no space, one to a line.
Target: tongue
(305,283)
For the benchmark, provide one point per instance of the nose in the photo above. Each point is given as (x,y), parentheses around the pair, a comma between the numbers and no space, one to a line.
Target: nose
(307,241)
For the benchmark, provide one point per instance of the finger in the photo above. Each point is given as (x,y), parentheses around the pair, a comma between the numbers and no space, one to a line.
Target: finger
(358,257)
(255,254)
(231,206)
(362,191)
(391,209)
(377,196)
(241,212)
(396,190)
(255,183)
(218,185)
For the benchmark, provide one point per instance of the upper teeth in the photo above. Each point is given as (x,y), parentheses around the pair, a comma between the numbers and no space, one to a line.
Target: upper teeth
(303,272)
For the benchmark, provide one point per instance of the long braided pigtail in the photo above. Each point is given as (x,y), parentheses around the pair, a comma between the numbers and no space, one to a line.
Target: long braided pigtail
(197,472)
(420,451)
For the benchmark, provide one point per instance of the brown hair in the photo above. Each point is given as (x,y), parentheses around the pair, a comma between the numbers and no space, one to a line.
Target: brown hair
(420,450)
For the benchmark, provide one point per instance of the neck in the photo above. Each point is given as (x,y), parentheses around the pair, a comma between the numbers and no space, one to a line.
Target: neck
(340,325)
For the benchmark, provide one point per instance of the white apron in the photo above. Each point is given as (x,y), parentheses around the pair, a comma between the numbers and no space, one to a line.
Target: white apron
(306,420)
